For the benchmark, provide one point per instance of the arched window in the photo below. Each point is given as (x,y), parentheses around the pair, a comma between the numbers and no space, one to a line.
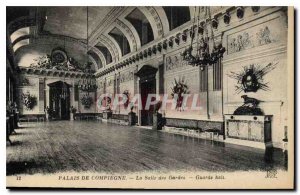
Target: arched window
(96,58)
(121,40)
(105,52)
(177,15)
(142,26)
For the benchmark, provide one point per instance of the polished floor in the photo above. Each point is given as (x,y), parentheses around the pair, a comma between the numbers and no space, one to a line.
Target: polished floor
(60,146)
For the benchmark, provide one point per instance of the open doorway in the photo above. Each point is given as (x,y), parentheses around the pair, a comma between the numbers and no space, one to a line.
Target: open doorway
(147,86)
(59,100)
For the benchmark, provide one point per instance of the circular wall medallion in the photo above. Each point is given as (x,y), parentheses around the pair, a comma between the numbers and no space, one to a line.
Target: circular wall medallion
(59,56)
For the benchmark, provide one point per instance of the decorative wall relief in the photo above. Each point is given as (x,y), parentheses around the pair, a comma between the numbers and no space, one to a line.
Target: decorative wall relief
(29,101)
(250,79)
(174,62)
(178,90)
(249,107)
(264,36)
(251,38)
(127,76)
(109,82)
(59,60)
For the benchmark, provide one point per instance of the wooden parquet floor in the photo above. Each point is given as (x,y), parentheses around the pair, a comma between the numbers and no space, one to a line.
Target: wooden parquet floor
(60,146)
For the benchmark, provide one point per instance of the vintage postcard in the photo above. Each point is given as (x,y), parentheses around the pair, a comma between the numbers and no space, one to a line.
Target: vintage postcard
(150,97)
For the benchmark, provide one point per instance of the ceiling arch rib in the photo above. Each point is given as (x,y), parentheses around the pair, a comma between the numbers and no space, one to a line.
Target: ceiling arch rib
(20,44)
(127,33)
(19,33)
(110,46)
(154,21)
(91,58)
(21,38)
(110,40)
(100,55)
(122,22)
(21,22)
(163,19)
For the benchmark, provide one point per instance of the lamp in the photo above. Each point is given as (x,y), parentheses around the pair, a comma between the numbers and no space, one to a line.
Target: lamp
(87,84)
(203,56)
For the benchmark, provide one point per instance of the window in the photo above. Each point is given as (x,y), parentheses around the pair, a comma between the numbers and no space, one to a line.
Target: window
(96,58)
(121,40)
(105,52)
(177,15)
(142,26)
(217,75)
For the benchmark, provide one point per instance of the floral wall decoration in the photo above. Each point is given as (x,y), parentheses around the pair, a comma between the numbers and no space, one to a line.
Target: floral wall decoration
(59,60)
(29,101)
(250,79)
(179,88)
(86,101)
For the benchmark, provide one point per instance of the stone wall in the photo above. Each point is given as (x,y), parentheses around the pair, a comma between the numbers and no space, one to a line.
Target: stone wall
(34,87)
(259,43)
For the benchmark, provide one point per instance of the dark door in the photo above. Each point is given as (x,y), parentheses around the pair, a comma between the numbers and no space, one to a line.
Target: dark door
(147,87)
(59,97)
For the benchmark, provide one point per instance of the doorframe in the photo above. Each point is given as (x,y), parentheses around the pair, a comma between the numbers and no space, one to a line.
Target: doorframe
(144,73)
(54,84)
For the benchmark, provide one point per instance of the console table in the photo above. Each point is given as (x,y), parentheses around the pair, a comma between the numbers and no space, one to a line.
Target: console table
(249,127)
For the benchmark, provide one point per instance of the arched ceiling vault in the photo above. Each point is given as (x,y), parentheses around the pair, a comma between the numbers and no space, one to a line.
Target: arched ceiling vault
(100,55)
(57,25)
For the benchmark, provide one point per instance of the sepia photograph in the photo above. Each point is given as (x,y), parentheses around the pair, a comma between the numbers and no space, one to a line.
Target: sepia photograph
(150,97)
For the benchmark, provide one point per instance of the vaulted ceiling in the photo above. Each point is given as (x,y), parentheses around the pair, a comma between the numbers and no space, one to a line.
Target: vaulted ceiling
(33,31)
(72,21)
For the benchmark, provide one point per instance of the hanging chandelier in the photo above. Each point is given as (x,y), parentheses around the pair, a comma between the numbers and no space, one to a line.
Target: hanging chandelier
(88,84)
(203,56)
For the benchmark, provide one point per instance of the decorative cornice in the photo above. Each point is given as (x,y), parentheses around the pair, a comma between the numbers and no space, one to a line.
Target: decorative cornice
(107,20)
(54,73)
(158,47)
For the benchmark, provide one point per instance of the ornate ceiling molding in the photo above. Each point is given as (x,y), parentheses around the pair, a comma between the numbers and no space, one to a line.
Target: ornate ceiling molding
(157,21)
(100,55)
(21,22)
(110,46)
(128,33)
(22,38)
(154,21)
(54,73)
(94,62)
(114,44)
(102,26)
(163,19)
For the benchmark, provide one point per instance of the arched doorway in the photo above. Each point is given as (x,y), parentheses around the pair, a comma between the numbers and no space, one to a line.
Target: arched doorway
(59,100)
(147,85)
